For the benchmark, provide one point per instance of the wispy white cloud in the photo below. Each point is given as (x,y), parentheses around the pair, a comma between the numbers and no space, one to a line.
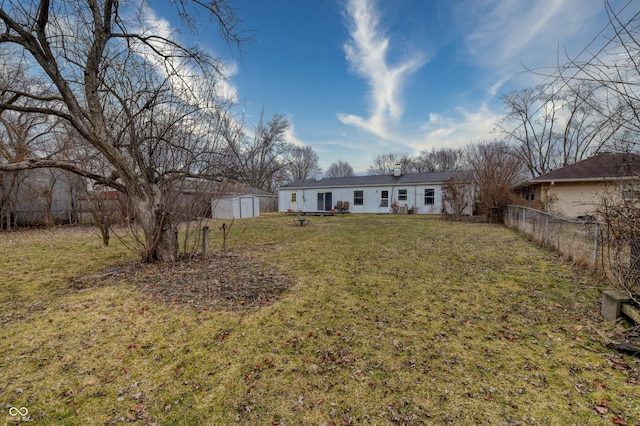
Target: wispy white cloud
(189,79)
(499,37)
(503,37)
(367,54)
(292,136)
(455,132)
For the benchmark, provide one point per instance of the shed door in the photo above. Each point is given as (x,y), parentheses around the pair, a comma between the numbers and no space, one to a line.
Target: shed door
(246,207)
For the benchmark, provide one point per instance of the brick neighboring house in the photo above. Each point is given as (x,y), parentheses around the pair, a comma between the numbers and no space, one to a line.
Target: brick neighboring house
(579,189)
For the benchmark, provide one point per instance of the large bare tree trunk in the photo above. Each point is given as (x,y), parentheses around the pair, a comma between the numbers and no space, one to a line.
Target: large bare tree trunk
(160,235)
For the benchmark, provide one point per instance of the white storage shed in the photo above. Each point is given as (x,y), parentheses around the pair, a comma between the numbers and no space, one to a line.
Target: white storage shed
(237,207)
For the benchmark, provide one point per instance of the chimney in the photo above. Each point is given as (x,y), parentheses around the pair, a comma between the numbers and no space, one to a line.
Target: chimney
(397,170)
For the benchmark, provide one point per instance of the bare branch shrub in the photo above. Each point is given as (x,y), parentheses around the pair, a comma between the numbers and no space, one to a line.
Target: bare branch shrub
(496,169)
(620,239)
(457,196)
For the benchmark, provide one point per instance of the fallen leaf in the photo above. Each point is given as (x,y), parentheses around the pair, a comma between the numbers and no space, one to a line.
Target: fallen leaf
(619,361)
(138,408)
(599,386)
(602,407)
(619,420)
(601,410)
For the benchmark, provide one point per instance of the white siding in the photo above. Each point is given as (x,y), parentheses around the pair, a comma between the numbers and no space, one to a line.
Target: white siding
(306,199)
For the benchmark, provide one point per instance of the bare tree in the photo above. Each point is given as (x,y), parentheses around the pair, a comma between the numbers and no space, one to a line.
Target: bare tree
(457,195)
(553,127)
(21,137)
(126,89)
(585,131)
(619,210)
(260,161)
(384,164)
(339,169)
(531,127)
(439,160)
(496,169)
(303,163)
(613,71)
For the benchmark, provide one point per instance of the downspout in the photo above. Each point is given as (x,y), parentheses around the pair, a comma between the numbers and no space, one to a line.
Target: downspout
(391,200)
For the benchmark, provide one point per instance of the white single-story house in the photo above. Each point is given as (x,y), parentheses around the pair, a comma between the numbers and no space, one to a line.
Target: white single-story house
(235,207)
(419,193)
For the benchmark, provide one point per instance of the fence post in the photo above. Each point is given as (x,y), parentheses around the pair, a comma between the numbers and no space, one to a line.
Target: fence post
(205,243)
(595,244)
(546,230)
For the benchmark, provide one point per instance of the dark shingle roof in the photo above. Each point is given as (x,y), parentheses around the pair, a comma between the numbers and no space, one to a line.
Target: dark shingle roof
(374,180)
(601,166)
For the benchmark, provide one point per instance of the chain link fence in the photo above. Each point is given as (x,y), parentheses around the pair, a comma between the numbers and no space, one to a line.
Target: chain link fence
(577,240)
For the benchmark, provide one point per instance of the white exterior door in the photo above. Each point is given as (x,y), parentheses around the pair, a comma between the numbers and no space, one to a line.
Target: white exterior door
(384,201)
(246,207)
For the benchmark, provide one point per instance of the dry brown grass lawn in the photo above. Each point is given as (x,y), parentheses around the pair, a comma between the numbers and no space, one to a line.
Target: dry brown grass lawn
(388,319)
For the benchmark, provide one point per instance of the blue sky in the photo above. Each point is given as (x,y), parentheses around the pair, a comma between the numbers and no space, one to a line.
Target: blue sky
(358,78)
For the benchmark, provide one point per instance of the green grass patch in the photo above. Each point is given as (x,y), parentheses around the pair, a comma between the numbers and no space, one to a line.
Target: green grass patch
(390,319)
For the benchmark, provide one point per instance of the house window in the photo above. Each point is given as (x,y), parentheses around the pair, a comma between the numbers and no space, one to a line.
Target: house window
(384,199)
(402,195)
(631,191)
(358,198)
(294,197)
(429,196)
(324,201)
(528,194)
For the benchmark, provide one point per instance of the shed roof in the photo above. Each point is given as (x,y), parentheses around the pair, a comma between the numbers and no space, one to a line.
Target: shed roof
(602,166)
(377,180)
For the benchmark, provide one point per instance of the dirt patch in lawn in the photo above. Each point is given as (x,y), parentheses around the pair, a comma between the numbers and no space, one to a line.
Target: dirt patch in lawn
(227,280)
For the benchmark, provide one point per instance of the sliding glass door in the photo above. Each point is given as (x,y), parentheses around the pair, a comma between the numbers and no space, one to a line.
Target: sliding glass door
(325,202)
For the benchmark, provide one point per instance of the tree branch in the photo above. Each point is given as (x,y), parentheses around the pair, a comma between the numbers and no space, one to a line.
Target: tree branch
(46,163)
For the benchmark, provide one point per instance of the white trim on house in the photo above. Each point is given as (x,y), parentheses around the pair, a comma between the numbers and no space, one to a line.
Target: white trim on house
(421,192)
